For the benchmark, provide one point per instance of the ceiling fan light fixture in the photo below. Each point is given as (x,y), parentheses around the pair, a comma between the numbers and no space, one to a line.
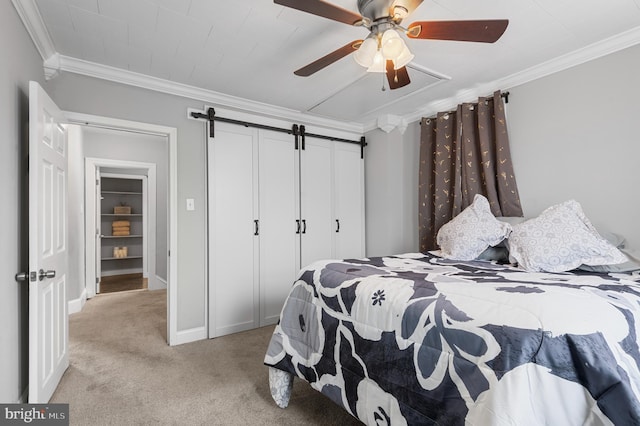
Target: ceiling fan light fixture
(404,58)
(379,63)
(395,49)
(364,56)
(392,44)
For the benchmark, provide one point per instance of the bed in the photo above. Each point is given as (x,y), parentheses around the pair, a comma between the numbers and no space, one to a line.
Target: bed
(420,339)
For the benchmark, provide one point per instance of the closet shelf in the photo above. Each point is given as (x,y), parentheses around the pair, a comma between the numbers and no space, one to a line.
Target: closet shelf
(121,206)
(121,192)
(122,258)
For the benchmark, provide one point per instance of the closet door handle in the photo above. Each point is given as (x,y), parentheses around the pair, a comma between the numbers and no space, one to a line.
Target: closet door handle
(256,223)
(337,225)
(304,226)
(298,226)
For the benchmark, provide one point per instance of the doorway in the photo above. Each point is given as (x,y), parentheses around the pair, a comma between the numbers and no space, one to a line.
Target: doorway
(110,127)
(112,187)
(121,219)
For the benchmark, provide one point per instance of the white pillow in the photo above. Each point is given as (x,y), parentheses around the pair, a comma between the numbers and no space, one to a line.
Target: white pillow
(470,233)
(560,239)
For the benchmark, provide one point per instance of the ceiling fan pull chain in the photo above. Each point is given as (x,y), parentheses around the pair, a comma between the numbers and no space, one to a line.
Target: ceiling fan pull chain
(383,88)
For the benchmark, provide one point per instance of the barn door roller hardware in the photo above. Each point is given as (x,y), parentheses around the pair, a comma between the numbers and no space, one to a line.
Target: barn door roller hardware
(212,117)
(296,130)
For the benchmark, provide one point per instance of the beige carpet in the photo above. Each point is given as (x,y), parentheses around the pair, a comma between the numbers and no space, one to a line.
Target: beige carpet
(122,372)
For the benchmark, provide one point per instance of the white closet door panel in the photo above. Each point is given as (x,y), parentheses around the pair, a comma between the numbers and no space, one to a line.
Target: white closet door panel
(231,239)
(316,201)
(279,243)
(349,199)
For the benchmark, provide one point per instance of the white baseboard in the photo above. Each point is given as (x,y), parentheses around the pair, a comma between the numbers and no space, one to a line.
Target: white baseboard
(191,335)
(76,305)
(157,283)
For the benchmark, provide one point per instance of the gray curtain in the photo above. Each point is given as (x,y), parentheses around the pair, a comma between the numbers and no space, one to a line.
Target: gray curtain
(464,153)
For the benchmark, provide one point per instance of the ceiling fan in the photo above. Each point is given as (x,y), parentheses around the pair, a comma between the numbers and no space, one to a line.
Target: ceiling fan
(384,50)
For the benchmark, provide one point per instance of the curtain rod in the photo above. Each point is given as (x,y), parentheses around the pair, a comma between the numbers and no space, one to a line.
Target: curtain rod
(504,95)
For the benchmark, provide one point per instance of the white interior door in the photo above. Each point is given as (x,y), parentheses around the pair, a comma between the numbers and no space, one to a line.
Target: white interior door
(279,242)
(233,240)
(316,199)
(48,256)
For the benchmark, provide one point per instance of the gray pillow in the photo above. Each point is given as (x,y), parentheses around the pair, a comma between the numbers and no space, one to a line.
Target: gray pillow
(616,240)
(632,264)
(498,253)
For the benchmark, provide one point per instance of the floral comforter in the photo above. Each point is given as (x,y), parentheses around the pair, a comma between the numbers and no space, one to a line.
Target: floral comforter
(417,339)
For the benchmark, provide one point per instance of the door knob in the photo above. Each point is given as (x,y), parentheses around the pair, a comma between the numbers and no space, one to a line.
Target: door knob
(25,276)
(48,274)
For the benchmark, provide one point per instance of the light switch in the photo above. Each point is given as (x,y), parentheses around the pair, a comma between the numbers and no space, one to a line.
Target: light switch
(191,205)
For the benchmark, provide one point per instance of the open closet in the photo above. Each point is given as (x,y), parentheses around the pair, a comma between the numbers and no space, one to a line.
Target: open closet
(122,232)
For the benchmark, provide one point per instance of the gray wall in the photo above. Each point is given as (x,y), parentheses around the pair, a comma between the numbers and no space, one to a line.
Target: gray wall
(19,63)
(98,97)
(574,134)
(128,146)
(391,184)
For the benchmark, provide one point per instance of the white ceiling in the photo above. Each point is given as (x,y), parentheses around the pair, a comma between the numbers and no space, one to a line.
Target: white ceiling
(249,49)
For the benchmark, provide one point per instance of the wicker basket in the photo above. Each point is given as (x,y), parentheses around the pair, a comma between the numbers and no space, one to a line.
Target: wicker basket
(120,252)
(122,210)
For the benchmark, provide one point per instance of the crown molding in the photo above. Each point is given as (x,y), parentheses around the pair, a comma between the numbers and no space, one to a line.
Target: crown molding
(593,51)
(55,63)
(30,16)
(118,75)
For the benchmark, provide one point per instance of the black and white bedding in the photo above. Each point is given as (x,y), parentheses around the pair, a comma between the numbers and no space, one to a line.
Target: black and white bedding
(420,339)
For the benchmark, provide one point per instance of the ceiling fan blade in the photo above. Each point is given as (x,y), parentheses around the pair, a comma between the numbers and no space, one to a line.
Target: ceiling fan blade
(397,78)
(322,8)
(327,60)
(487,31)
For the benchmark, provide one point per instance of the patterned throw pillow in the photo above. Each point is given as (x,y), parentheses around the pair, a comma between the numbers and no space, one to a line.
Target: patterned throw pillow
(467,235)
(560,239)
